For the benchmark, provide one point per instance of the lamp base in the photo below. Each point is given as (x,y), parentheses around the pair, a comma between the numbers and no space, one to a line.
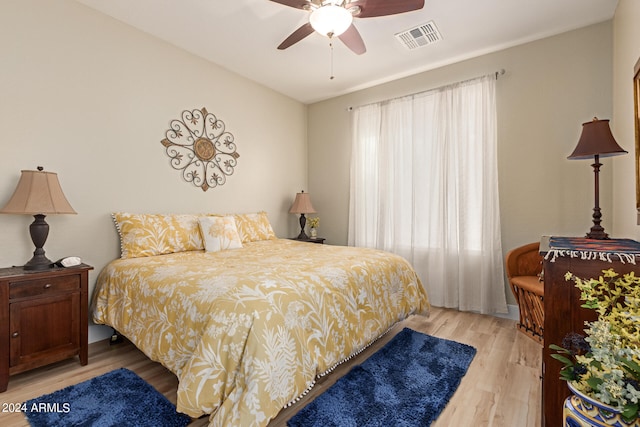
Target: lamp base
(303,223)
(597,233)
(302,236)
(39,230)
(38,262)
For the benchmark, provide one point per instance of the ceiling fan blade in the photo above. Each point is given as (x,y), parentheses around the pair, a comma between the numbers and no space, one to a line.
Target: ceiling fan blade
(353,40)
(296,36)
(372,8)
(298,4)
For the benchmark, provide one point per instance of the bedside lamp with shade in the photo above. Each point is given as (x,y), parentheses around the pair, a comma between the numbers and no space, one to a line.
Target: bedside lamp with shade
(38,193)
(302,205)
(596,141)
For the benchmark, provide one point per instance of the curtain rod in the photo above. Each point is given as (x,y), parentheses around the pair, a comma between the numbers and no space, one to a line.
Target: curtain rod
(497,73)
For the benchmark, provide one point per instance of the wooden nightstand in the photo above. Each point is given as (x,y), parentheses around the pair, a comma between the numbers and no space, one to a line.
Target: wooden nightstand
(43,318)
(319,240)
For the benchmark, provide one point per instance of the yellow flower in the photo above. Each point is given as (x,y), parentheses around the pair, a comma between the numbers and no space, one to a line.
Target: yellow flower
(610,369)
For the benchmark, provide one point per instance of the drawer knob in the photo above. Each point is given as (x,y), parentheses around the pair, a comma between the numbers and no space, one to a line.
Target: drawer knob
(15,334)
(47,286)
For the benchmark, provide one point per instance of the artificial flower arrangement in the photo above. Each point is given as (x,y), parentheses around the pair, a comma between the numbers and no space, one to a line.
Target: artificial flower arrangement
(314,222)
(605,364)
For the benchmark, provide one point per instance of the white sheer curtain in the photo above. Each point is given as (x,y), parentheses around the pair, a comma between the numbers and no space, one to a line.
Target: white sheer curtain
(424,185)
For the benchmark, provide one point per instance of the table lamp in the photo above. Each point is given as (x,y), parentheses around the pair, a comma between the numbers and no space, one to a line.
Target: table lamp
(596,141)
(39,194)
(302,205)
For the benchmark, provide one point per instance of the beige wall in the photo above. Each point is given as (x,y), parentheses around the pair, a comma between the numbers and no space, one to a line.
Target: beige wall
(550,88)
(626,51)
(90,98)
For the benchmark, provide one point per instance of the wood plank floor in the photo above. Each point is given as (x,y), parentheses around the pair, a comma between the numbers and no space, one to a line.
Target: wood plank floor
(501,389)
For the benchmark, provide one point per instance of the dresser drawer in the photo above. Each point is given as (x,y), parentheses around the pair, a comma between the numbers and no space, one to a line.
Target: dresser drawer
(43,287)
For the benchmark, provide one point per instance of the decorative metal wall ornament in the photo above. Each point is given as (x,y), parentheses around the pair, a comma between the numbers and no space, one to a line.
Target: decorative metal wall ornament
(199,146)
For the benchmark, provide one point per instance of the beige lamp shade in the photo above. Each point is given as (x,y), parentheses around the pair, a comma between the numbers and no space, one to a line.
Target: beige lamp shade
(302,204)
(38,192)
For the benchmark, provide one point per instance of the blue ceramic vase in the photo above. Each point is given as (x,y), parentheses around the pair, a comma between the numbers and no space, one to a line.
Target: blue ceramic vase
(583,411)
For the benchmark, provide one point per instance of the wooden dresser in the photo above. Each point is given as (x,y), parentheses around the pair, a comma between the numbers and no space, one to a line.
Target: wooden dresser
(43,318)
(585,258)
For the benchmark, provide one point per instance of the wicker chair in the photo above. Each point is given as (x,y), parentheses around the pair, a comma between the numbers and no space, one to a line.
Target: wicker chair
(524,271)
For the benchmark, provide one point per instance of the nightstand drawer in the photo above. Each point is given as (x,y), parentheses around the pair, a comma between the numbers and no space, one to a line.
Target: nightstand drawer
(43,287)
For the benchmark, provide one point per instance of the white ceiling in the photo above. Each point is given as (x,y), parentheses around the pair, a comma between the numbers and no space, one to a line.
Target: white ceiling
(242,36)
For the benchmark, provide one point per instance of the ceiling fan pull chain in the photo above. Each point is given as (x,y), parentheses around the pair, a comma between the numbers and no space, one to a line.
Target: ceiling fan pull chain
(331,47)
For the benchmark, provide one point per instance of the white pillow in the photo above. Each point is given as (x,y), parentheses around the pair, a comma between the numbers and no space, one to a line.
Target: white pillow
(219,233)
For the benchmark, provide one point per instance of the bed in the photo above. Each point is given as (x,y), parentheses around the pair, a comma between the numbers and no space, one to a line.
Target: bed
(247,322)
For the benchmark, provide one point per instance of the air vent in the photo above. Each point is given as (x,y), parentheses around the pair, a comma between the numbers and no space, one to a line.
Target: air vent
(419,36)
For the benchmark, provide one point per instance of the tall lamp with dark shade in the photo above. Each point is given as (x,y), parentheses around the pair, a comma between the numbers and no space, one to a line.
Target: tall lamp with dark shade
(39,194)
(302,205)
(596,141)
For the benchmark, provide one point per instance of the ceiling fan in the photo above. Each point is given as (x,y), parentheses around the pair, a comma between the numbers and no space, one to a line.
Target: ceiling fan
(334,18)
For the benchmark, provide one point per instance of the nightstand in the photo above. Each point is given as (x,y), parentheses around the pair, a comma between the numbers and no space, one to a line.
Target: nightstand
(43,318)
(319,240)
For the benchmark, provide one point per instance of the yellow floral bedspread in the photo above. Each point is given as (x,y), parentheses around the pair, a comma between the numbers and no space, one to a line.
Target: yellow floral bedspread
(248,330)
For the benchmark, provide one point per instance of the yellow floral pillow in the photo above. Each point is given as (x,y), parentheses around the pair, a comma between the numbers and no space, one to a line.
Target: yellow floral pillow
(219,233)
(253,227)
(156,234)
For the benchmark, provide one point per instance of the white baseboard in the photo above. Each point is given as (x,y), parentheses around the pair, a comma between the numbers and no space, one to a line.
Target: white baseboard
(513,314)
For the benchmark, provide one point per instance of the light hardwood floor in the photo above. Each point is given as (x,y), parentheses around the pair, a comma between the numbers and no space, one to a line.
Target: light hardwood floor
(501,389)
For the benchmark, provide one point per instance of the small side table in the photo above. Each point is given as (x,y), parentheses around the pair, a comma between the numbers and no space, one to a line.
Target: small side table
(319,240)
(43,318)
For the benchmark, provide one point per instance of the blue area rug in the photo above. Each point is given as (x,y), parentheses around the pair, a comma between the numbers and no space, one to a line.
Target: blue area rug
(406,383)
(117,398)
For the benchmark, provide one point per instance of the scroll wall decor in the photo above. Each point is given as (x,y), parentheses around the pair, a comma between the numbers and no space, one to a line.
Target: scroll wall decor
(199,146)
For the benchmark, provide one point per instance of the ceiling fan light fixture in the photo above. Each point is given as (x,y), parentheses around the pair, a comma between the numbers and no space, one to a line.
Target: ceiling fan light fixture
(330,20)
